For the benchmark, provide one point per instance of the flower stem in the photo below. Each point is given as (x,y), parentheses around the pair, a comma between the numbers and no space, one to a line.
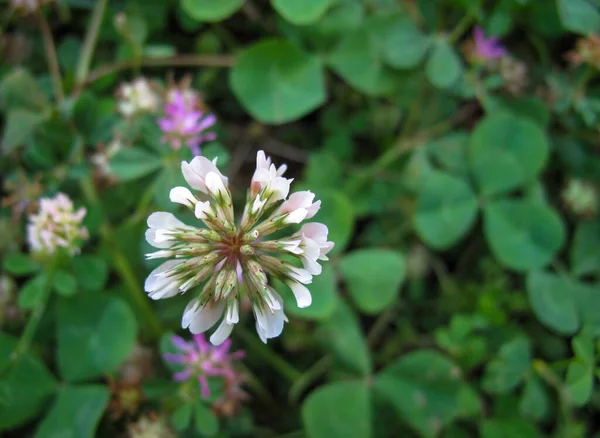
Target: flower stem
(403,146)
(32,323)
(123,267)
(305,380)
(51,57)
(171,61)
(89,45)
(259,349)
(462,26)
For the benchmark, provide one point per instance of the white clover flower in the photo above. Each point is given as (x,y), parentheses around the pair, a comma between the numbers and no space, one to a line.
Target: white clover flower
(137,97)
(56,225)
(27,6)
(581,197)
(230,260)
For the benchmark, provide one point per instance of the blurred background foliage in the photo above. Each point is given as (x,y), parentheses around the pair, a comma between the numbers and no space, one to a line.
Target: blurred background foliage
(460,189)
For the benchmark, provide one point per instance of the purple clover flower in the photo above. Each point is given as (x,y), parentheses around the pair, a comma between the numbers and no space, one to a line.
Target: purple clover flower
(202,360)
(487,48)
(184,124)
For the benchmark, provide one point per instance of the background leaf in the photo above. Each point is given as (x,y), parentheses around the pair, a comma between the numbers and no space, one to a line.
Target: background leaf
(522,235)
(373,277)
(446,210)
(276,82)
(76,412)
(506,152)
(86,324)
(339,409)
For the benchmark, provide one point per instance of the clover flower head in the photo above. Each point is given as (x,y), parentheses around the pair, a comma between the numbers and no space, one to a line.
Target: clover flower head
(201,361)
(27,6)
(101,159)
(57,224)
(486,48)
(184,123)
(230,260)
(137,97)
(150,426)
(580,197)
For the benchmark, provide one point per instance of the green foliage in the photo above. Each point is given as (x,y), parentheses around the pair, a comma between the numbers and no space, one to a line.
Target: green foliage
(523,235)
(373,277)
(76,412)
(506,152)
(446,210)
(86,323)
(276,82)
(338,409)
(457,173)
(423,387)
(24,388)
(205,10)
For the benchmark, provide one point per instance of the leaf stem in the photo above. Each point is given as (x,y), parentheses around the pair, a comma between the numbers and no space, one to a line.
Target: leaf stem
(89,45)
(172,61)
(123,267)
(319,368)
(462,26)
(32,323)
(51,58)
(403,146)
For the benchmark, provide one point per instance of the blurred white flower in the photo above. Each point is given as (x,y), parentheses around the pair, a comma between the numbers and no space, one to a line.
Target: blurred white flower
(137,97)
(56,225)
(581,197)
(225,255)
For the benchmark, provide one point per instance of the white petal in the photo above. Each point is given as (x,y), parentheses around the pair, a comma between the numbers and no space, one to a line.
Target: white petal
(205,317)
(311,266)
(156,280)
(163,254)
(280,187)
(296,216)
(222,333)
(300,275)
(232,314)
(313,209)
(151,239)
(214,183)
(258,204)
(182,195)
(315,231)
(202,208)
(169,290)
(311,248)
(293,246)
(162,219)
(261,333)
(189,312)
(302,294)
(262,162)
(193,179)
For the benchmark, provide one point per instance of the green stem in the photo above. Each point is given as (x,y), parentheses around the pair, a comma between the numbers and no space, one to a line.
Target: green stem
(32,323)
(51,57)
(403,146)
(89,45)
(380,325)
(318,369)
(259,349)
(123,267)
(585,78)
(171,61)
(462,26)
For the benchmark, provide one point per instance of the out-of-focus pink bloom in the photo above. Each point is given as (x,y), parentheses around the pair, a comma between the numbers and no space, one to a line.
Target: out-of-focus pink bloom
(184,123)
(201,360)
(486,48)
